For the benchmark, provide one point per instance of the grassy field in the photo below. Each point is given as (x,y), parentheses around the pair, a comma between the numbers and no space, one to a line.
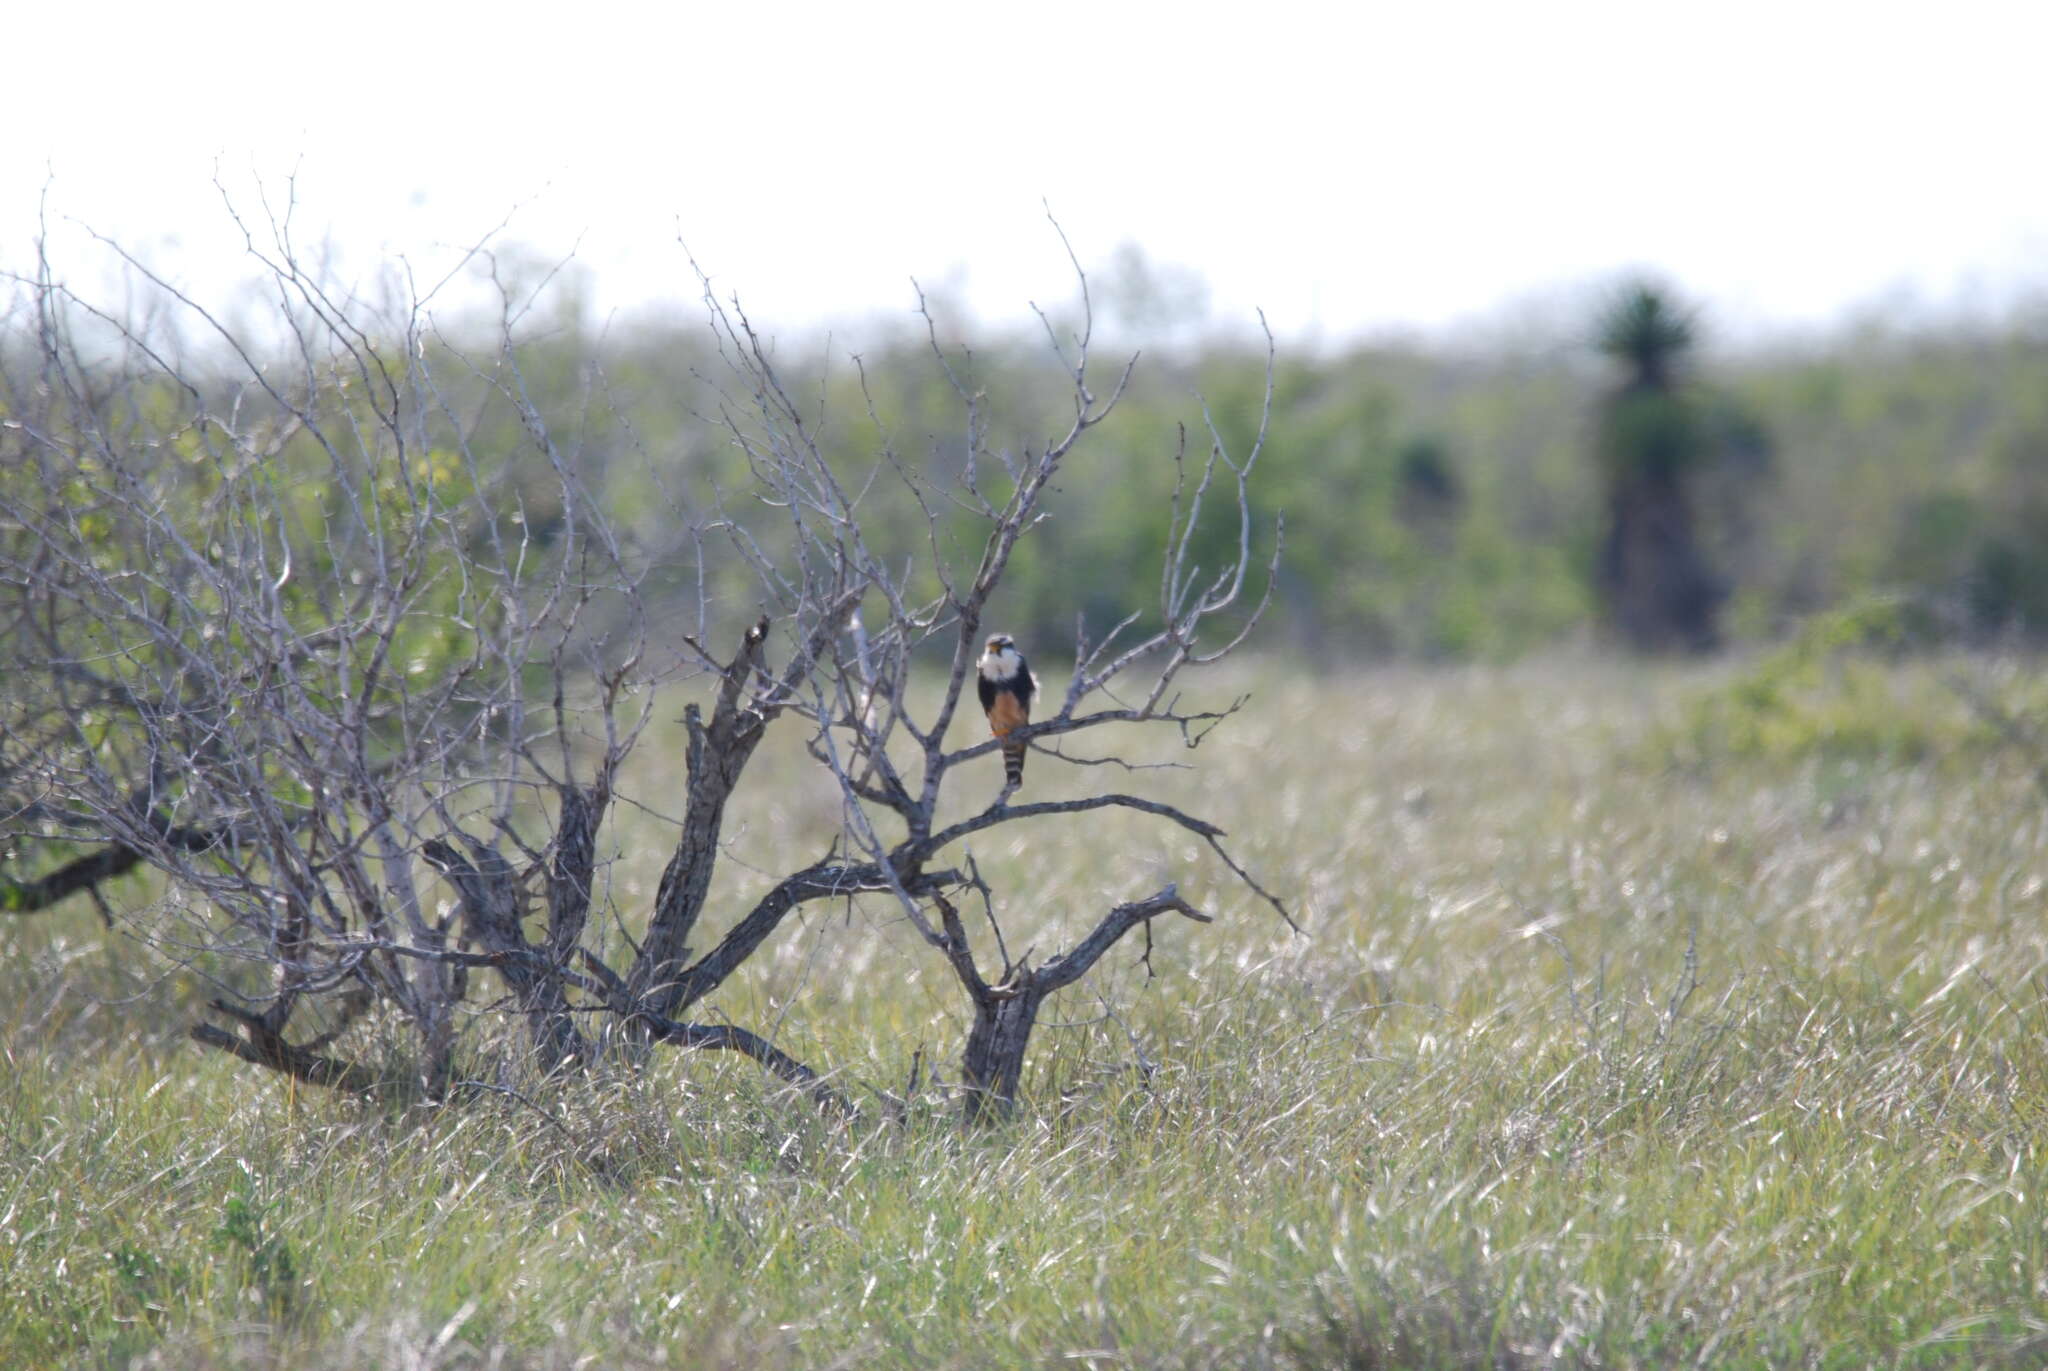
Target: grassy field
(1645,1018)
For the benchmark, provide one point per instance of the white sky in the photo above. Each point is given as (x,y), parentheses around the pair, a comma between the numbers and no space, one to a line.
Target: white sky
(1348,168)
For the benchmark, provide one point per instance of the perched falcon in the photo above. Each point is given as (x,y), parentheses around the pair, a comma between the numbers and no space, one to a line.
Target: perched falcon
(1007,686)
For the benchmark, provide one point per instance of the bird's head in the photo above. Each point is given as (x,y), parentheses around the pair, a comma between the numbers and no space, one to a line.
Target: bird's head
(1000,654)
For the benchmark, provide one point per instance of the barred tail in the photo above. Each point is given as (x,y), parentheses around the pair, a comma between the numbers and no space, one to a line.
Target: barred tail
(1013,763)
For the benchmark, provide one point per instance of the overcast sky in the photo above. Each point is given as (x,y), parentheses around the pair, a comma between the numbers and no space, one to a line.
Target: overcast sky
(1349,169)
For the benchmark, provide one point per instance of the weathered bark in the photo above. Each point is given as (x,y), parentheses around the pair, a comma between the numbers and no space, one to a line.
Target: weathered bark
(82,873)
(493,906)
(437,1042)
(731,1038)
(575,863)
(718,754)
(88,872)
(433,989)
(994,1060)
(1005,1014)
(707,973)
(263,1046)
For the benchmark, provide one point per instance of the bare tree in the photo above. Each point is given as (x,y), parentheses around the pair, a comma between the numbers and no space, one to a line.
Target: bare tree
(295,627)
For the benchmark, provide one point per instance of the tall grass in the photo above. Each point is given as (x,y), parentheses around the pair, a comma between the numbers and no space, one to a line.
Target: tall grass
(1599,1052)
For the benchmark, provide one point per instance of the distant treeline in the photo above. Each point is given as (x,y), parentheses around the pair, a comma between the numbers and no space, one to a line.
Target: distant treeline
(1436,504)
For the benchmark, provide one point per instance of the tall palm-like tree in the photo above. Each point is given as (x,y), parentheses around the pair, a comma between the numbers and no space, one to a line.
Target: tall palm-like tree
(1659,591)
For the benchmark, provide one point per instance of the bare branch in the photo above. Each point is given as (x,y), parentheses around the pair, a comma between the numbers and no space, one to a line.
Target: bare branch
(278,1055)
(1065,970)
(729,1038)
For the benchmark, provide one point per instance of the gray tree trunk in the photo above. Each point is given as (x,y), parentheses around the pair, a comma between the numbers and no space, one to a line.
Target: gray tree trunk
(994,1060)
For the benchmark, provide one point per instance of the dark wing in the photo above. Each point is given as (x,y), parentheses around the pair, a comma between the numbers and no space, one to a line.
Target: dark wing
(1024,685)
(988,692)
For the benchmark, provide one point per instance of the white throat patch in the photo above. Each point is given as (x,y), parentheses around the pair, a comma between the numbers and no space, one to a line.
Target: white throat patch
(1001,666)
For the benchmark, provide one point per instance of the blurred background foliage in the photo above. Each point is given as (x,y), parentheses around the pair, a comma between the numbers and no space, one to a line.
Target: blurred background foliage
(1440,502)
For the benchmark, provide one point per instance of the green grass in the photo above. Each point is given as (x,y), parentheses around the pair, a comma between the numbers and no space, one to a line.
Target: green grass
(1592,1058)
